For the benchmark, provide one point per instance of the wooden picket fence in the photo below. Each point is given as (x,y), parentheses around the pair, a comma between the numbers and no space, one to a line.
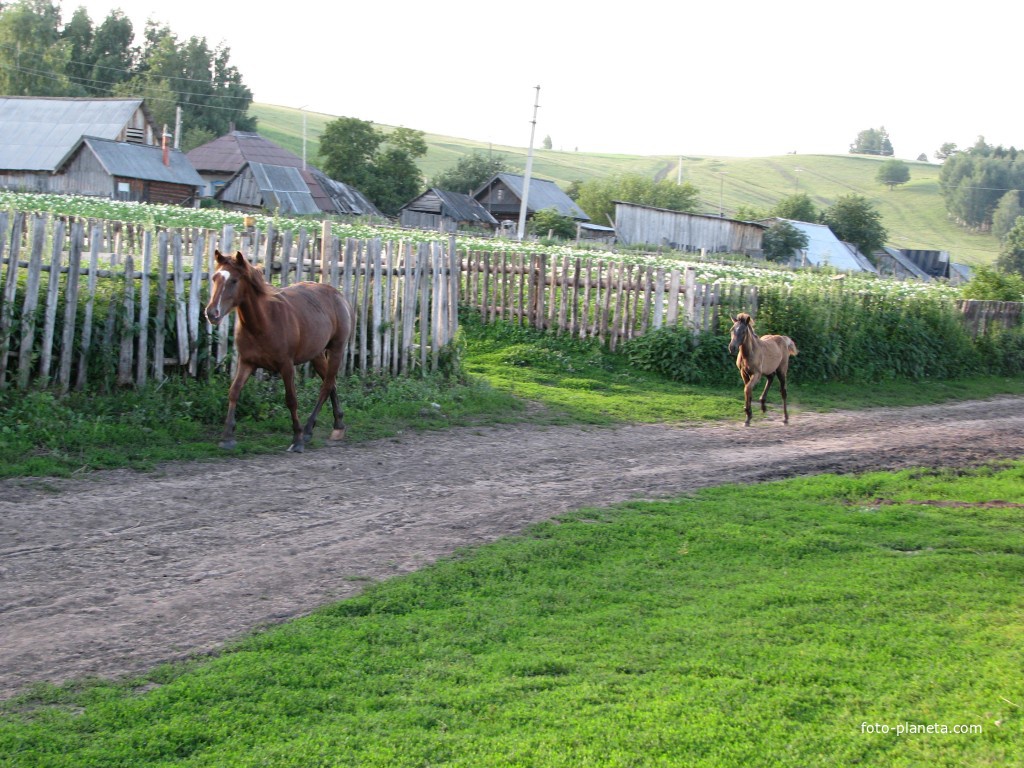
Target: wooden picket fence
(606,300)
(138,316)
(86,302)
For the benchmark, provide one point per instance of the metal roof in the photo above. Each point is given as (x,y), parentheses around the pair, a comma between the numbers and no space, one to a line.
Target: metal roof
(346,199)
(138,161)
(543,194)
(231,151)
(825,249)
(36,134)
(451,205)
(281,189)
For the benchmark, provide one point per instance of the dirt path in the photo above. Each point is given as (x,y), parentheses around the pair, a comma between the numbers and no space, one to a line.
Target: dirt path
(114,573)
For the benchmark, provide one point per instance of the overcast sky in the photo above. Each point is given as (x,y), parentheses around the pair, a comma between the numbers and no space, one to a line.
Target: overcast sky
(739,79)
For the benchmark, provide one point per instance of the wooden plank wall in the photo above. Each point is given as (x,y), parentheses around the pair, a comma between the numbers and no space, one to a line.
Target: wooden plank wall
(59,274)
(606,300)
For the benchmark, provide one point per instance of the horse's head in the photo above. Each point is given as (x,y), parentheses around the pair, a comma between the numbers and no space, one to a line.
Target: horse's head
(233,281)
(742,324)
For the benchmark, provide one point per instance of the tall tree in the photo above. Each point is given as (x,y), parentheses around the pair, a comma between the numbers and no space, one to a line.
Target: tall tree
(381,166)
(854,219)
(78,36)
(33,58)
(873,141)
(470,172)
(114,54)
(893,173)
(1011,256)
(1006,213)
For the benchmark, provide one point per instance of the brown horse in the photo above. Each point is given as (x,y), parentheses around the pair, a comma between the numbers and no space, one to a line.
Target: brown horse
(278,329)
(766,356)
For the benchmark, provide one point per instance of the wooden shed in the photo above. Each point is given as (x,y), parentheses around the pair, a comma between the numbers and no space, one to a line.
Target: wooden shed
(502,196)
(644,224)
(444,211)
(130,172)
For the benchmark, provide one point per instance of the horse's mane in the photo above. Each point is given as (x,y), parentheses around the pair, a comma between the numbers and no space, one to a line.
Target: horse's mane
(255,279)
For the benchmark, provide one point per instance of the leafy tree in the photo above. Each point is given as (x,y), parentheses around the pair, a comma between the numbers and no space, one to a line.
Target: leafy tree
(597,196)
(348,147)
(33,58)
(854,219)
(547,142)
(381,166)
(1011,256)
(922,158)
(749,213)
(946,150)
(973,182)
(989,284)
(873,141)
(781,240)
(470,172)
(798,207)
(550,220)
(78,38)
(113,56)
(893,173)
(1006,213)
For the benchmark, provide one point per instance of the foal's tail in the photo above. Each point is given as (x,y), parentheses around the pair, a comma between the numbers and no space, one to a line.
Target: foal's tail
(791,346)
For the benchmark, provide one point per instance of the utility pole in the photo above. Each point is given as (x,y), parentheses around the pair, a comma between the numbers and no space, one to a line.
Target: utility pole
(529,168)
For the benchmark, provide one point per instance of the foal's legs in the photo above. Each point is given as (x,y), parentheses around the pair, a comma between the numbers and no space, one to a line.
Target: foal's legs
(782,388)
(748,389)
(242,374)
(764,394)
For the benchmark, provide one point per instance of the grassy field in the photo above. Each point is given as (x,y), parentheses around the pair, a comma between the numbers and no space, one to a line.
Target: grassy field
(913,214)
(814,622)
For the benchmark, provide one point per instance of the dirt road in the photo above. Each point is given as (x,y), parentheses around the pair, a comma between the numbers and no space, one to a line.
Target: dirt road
(114,573)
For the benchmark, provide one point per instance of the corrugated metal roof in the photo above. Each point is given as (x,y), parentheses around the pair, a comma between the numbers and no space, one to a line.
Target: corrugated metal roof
(461,207)
(825,249)
(346,199)
(281,188)
(137,161)
(36,134)
(456,206)
(543,194)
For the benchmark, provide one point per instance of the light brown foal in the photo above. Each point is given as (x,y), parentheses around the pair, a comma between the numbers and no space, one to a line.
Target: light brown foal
(766,356)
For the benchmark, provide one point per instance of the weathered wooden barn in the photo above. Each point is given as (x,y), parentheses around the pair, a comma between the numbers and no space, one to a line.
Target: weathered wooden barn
(130,172)
(643,224)
(502,196)
(254,168)
(444,211)
(98,147)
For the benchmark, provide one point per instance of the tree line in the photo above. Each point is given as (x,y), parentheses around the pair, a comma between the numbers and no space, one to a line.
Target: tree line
(41,55)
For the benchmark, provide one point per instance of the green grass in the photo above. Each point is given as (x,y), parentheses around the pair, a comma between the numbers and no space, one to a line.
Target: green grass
(914,213)
(766,625)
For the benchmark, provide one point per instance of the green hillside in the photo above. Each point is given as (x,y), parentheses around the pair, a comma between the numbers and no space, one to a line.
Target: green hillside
(913,213)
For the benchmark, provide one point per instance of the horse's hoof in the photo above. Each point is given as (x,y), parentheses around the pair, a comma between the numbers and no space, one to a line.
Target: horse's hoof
(227,445)
(298,447)
(338,434)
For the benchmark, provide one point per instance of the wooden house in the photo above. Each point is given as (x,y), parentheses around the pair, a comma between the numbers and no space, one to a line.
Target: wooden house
(444,211)
(100,147)
(502,196)
(263,175)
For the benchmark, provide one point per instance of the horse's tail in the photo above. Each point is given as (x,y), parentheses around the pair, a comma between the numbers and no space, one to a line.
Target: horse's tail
(791,345)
